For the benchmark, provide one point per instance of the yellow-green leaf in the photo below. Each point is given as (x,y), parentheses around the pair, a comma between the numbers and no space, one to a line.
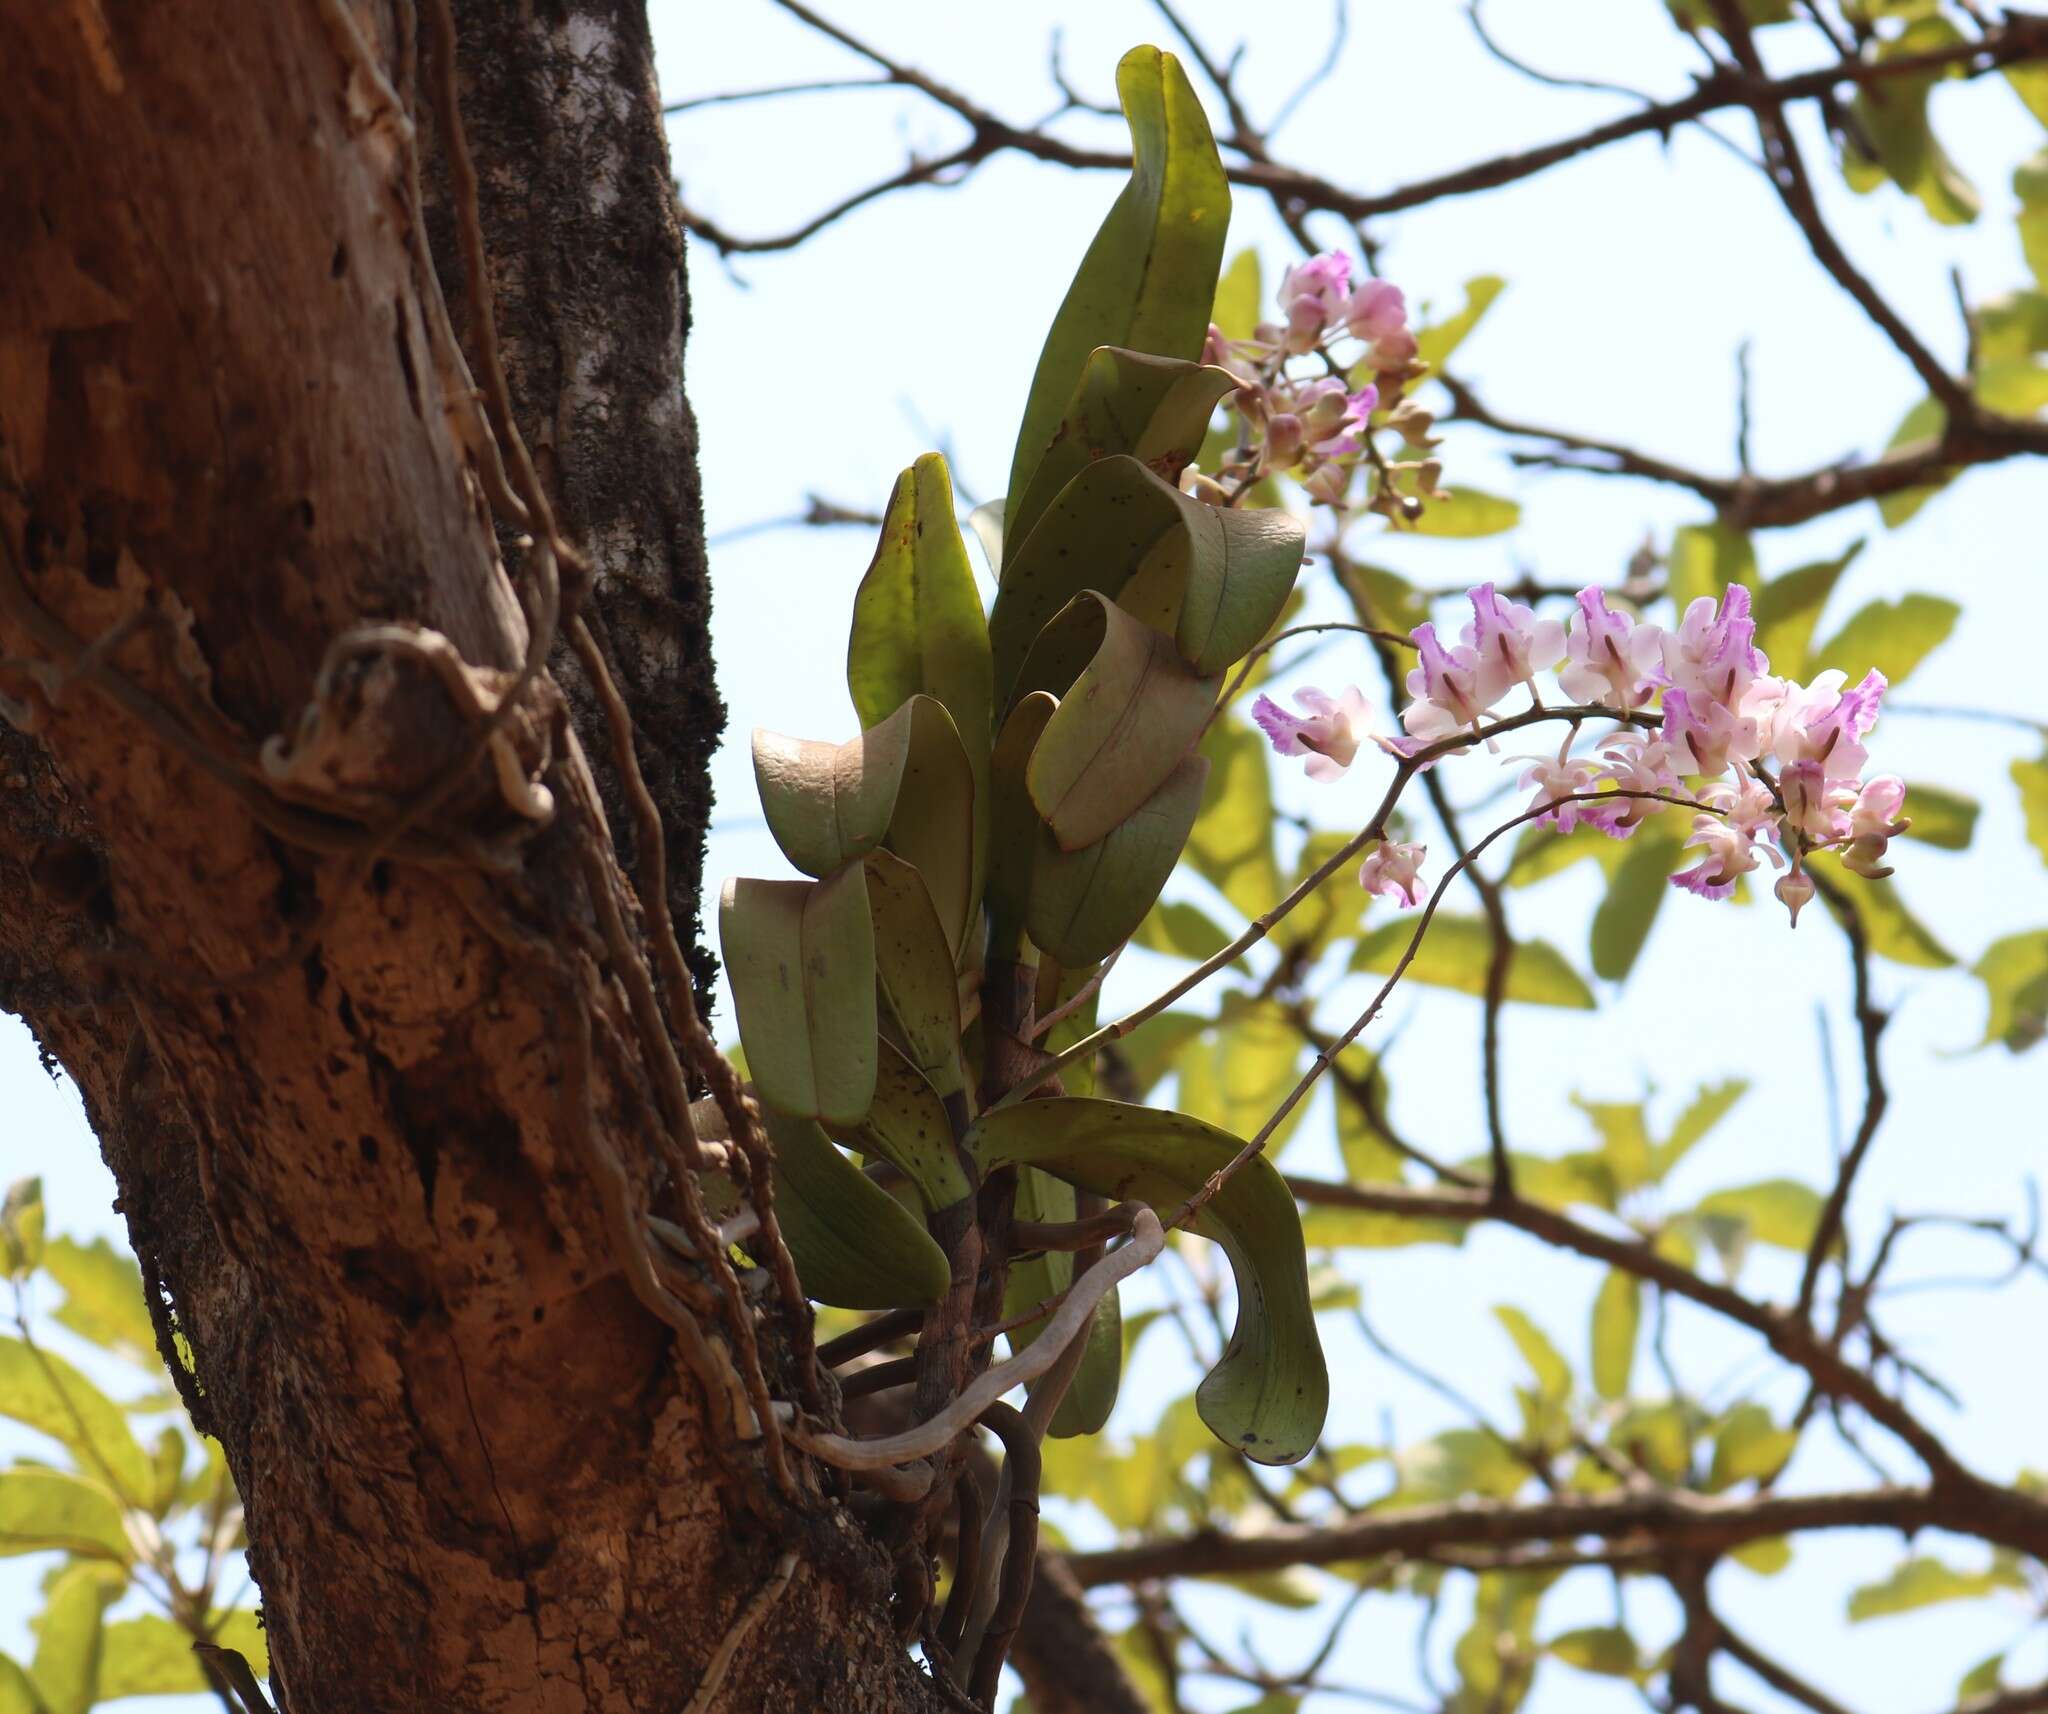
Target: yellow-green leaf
(1084,904)
(1944,819)
(854,1244)
(1895,932)
(1467,514)
(66,1668)
(1641,883)
(2014,971)
(1436,341)
(42,1391)
(1455,953)
(1269,1393)
(1779,1211)
(2032,780)
(1617,1315)
(1892,636)
(1231,843)
(1925,1582)
(914,966)
(44,1511)
(103,1299)
(1705,559)
(1553,1374)
(801,959)
(1789,606)
(1748,1447)
(1149,278)
(917,619)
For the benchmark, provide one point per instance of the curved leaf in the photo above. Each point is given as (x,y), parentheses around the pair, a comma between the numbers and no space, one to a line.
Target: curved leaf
(914,966)
(907,1126)
(1013,821)
(1269,1394)
(1214,577)
(66,1668)
(1084,904)
(917,619)
(854,1244)
(907,783)
(1125,724)
(801,959)
(1149,277)
(1155,409)
(1092,1394)
(1617,1315)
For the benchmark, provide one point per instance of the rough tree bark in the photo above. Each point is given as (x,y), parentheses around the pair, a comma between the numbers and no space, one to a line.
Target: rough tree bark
(342,1115)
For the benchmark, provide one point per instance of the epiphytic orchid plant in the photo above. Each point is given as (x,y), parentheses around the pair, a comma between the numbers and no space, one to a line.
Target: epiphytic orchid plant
(918,1014)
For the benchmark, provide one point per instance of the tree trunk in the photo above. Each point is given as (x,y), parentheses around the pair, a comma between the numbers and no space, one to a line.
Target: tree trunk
(341,1098)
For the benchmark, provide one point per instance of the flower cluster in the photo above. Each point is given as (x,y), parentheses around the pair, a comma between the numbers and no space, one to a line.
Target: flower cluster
(1772,769)
(1314,428)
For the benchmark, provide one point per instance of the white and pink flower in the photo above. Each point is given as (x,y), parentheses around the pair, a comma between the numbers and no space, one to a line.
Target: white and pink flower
(1328,731)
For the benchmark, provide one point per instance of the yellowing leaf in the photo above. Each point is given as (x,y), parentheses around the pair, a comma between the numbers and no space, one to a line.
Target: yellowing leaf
(1749,1446)
(1926,1582)
(1466,515)
(1231,843)
(1436,341)
(1892,636)
(2014,972)
(1779,1211)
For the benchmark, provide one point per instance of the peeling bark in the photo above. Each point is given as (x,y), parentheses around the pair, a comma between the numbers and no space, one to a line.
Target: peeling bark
(476,1474)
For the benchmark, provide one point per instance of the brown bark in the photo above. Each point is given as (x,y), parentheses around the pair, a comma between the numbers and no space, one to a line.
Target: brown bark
(476,1474)
(1067,1664)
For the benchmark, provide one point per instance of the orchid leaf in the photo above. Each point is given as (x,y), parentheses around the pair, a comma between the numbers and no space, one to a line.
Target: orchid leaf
(1084,904)
(801,959)
(1013,821)
(917,621)
(907,783)
(854,1244)
(907,1126)
(1212,577)
(1091,1396)
(1269,1394)
(1154,409)
(1124,724)
(1148,280)
(914,966)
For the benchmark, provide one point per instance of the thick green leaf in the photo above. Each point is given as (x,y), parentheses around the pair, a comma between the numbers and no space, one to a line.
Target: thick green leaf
(1231,844)
(2014,972)
(1149,278)
(917,619)
(103,1299)
(1467,515)
(1705,559)
(1789,606)
(2032,780)
(1085,904)
(801,959)
(1617,1316)
(1553,1374)
(1892,636)
(1214,578)
(1013,821)
(38,1388)
(908,1127)
(1124,727)
(914,966)
(66,1668)
(1435,342)
(1153,409)
(1641,883)
(854,1244)
(1944,819)
(1748,1447)
(1455,953)
(1895,932)
(907,783)
(1779,1211)
(1926,1582)
(1092,1394)
(1270,1392)
(52,1510)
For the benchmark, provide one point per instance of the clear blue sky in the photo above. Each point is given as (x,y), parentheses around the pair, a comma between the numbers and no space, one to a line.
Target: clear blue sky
(1634,275)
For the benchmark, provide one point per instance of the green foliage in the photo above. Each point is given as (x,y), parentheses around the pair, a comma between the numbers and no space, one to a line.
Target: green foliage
(1437,340)
(1925,1582)
(1892,636)
(1269,1393)
(1617,1319)
(1149,278)
(1456,953)
(2014,971)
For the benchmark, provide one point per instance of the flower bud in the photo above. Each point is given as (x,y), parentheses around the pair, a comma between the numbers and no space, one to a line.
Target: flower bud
(1795,891)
